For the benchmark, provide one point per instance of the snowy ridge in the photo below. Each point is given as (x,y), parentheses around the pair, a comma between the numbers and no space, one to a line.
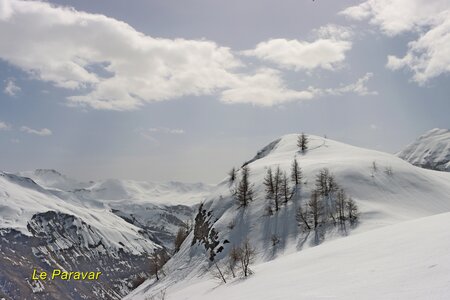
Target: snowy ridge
(167,193)
(19,203)
(52,179)
(431,150)
(392,193)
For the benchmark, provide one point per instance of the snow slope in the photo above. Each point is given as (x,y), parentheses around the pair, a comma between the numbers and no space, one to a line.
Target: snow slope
(52,179)
(431,150)
(384,199)
(410,260)
(21,198)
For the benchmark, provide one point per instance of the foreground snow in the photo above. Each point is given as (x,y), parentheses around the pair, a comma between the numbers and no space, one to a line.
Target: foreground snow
(410,260)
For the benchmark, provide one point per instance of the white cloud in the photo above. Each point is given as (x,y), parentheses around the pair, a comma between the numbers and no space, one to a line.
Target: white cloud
(11,88)
(107,64)
(148,136)
(359,87)
(4,126)
(334,32)
(149,133)
(267,89)
(60,45)
(429,55)
(326,52)
(40,132)
(166,130)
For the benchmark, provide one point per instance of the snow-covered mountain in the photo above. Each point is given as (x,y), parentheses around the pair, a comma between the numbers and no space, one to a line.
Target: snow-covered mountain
(431,150)
(49,178)
(290,263)
(112,226)
(167,193)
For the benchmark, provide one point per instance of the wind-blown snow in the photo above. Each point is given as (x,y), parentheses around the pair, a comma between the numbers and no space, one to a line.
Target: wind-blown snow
(431,150)
(384,200)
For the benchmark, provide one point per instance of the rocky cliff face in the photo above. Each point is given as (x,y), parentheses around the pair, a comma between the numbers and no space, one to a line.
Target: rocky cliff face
(62,241)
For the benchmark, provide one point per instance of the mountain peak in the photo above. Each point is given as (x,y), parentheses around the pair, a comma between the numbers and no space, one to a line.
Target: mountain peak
(435,132)
(48,172)
(431,150)
(50,178)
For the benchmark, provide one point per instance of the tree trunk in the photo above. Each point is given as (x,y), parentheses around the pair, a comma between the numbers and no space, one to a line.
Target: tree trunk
(220,272)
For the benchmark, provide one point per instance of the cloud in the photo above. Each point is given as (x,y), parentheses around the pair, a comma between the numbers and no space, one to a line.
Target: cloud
(149,133)
(11,88)
(107,63)
(149,137)
(267,89)
(429,55)
(166,130)
(359,87)
(4,126)
(326,52)
(40,132)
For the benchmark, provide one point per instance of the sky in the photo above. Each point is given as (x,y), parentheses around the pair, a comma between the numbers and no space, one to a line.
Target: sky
(185,90)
